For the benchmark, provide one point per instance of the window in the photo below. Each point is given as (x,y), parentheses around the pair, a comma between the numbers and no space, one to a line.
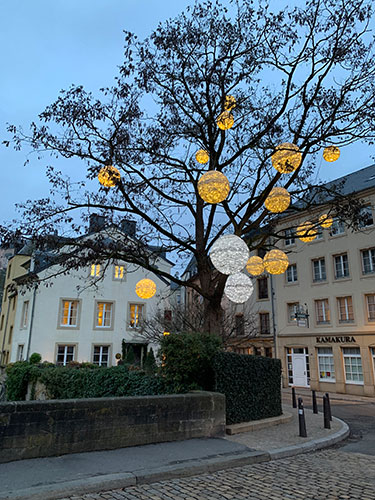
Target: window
(289,235)
(326,365)
(319,270)
(292,311)
(264,321)
(2,322)
(370,303)
(338,227)
(341,266)
(365,218)
(10,334)
(9,270)
(239,325)
(65,354)
(322,311)
(136,313)
(373,357)
(167,315)
(69,313)
(20,352)
(95,270)
(368,261)
(118,272)
(262,288)
(345,306)
(353,365)
(319,233)
(103,316)
(25,314)
(268,352)
(291,274)
(100,355)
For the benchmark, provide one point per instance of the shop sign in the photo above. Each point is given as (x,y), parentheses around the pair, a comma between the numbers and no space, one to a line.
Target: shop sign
(323,340)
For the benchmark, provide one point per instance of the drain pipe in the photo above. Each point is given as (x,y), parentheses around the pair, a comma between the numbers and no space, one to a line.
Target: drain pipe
(31,326)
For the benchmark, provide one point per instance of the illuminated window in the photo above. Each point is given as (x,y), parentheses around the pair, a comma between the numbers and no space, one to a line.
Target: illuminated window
(65,354)
(118,272)
(345,305)
(103,314)
(322,311)
(95,270)
(25,314)
(69,313)
(100,355)
(136,315)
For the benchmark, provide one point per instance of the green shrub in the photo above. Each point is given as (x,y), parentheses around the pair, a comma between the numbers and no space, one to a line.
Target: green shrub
(19,374)
(35,358)
(187,360)
(251,384)
(149,364)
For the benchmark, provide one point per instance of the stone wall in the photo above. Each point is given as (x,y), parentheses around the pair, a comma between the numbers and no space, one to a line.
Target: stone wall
(30,429)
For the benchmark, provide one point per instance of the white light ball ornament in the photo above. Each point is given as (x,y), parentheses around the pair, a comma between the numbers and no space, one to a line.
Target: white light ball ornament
(229,254)
(239,288)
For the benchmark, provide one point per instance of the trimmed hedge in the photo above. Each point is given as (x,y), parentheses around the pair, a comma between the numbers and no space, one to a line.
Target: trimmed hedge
(251,384)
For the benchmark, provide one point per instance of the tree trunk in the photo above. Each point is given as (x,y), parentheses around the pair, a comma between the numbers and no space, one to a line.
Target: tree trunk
(213,317)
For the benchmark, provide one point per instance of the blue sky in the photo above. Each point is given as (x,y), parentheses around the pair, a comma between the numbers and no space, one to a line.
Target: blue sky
(47,45)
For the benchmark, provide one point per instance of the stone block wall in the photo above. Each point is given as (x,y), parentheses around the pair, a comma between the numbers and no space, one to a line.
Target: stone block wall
(30,429)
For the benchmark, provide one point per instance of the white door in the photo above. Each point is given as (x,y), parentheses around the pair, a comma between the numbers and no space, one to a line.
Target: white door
(299,370)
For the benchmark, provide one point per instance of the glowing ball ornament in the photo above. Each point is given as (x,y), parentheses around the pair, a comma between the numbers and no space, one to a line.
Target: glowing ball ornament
(325,221)
(225,121)
(255,266)
(239,288)
(145,289)
(109,176)
(287,158)
(166,334)
(331,153)
(213,187)
(306,232)
(230,103)
(276,262)
(202,156)
(229,254)
(278,200)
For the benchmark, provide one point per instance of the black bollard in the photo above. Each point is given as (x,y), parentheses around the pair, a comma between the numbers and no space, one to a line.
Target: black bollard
(301,419)
(314,404)
(294,401)
(329,406)
(327,422)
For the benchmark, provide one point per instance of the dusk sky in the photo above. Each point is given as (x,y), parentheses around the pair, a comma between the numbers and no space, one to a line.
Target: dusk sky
(46,46)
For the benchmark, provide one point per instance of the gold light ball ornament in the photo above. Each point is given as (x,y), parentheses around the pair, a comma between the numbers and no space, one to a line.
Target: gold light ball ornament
(331,153)
(225,121)
(306,232)
(238,288)
(145,289)
(230,102)
(276,262)
(229,254)
(213,187)
(255,265)
(202,156)
(325,221)
(286,158)
(109,176)
(278,200)
(166,334)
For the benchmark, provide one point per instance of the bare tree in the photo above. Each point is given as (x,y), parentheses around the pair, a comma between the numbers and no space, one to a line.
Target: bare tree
(301,75)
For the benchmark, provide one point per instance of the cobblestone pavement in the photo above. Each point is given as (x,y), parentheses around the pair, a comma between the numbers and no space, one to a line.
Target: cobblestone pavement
(325,475)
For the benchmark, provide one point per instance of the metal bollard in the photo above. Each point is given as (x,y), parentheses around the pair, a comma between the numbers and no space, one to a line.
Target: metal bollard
(294,401)
(301,419)
(327,422)
(314,403)
(329,407)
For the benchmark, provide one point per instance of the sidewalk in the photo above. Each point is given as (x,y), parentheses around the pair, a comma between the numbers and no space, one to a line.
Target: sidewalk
(58,477)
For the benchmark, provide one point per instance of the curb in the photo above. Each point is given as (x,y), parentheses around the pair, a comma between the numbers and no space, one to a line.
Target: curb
(256,425)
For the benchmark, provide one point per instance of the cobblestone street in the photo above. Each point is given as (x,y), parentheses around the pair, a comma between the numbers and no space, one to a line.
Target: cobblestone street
(325,475)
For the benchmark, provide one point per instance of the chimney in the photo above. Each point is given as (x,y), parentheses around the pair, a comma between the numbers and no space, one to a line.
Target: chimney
(129,227)
(97,222)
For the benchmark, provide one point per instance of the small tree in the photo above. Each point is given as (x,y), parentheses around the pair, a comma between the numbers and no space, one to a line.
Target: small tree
(149,364)
(130,357)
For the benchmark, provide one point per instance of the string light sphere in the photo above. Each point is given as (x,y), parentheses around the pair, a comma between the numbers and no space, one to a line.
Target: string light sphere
(331,153)
(325,221)
(213,187)
(306,232)
(255,266)
(225,121)
(286,158)
(230,102)
(276,261)
(278,200)
(202,156)
(239,288)
(145,289)
(109,176)
(229,254)
(166,334)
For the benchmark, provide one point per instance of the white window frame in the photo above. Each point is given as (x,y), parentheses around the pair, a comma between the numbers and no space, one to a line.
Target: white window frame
(372,352)
(65,354)
(370,268)
(341,266)
(101,361)
(20,349)
(319,233)
(70,313)
(325,359)
(370,308)
(25,314)
(320,267)
(364,211)
(337,228)
(139,314)
(322,305)
(350,356)
(348,307)
(106,312)
(290,237)
(291,274)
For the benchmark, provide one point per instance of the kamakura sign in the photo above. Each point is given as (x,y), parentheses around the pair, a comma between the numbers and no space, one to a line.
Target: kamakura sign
(323,340)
